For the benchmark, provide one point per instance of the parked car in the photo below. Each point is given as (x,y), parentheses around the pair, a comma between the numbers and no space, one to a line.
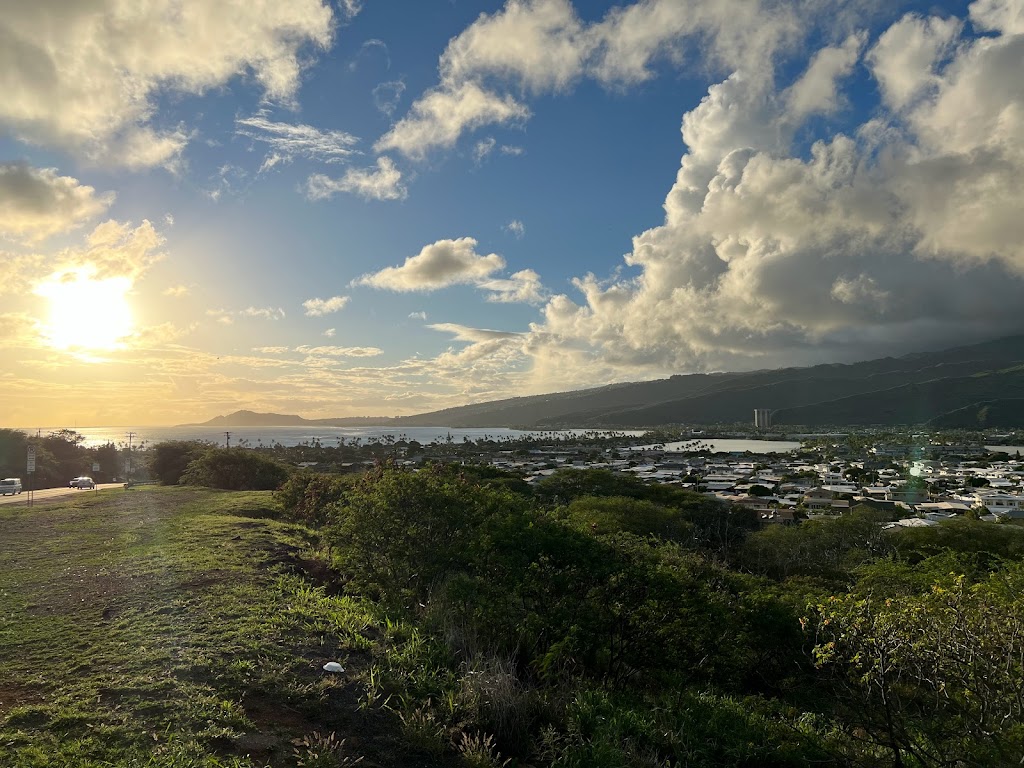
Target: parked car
(82,482)
(10,485)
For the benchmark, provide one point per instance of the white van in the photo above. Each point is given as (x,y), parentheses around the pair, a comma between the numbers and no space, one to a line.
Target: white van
(10,485)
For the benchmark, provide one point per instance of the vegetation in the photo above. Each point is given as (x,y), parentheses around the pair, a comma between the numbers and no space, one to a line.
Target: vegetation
(593,621)
(60,456)
(234,471)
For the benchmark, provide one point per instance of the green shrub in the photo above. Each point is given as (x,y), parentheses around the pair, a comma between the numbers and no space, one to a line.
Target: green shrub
(234,470)
(309,497)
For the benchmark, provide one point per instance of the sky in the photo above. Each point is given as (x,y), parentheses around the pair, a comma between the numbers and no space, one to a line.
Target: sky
(357,208)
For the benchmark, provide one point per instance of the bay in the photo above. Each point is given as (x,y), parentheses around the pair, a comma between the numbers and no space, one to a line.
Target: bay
(327,436)
(729,445)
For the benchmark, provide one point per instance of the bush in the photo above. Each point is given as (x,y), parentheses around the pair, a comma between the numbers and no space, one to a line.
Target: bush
(234,470)
(309,497)
(400,533)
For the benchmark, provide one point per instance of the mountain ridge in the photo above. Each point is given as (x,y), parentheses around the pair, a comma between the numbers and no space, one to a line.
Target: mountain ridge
(922,387)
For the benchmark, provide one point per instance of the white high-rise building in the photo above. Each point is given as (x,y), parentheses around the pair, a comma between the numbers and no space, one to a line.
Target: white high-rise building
(762,418)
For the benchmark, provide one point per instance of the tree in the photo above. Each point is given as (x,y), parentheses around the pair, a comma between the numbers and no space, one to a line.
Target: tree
(935,678)
(168,460)
(13,452)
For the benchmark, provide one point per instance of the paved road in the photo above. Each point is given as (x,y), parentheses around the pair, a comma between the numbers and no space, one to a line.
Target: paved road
(53,494)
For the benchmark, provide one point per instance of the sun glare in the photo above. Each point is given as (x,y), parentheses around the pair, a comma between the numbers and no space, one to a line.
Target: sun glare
(87,314)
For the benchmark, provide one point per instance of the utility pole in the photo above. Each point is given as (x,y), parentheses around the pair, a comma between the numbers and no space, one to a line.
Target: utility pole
(227,439)
(130,436)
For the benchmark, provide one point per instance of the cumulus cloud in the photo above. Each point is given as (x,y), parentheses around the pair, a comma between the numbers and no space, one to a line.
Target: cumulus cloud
(542,46)
(905,56)
(817,90)
(330,333)
(438,265)
(321,307)
(381,183)
(84,75)
(36,202)
(287,141)
(904,234)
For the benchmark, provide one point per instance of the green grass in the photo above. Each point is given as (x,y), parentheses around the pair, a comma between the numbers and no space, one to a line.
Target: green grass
(176,627)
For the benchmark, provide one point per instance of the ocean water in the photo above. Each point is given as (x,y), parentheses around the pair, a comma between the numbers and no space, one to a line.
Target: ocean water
(289,436)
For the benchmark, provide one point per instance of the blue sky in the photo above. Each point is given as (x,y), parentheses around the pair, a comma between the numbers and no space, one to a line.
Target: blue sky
(363,208)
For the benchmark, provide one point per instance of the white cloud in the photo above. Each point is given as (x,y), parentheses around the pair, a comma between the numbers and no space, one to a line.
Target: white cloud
(489,360)
(516,227)
(83,75)
(523,287)
(321,351)
(321,307)
(438,265)
(538,42)
(340,351)
(36,203)
(111,251)
(1004,16)
(115,249)
(330,333)
(440,117)
(483,148)
(417,315)
(817,90)
(382,183)
(542,46)
(904,58)
(370,50)
(290,140)
(18,270)
(229,180)
(176,291)
(906,234)
(475,335)
(228,316)
(387,95)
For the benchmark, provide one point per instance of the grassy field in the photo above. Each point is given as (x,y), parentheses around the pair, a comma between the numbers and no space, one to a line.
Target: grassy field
(182,627)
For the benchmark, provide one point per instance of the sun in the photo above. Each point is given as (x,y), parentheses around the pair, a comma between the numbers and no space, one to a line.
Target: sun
(87,313)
